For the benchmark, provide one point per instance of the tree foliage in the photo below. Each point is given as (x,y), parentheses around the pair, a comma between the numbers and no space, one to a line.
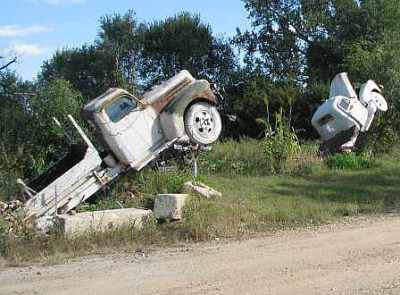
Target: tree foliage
(120,35)
(304,44)
(89,69)
(285,61)
(300,39)
(57,99)
(135,55)
(184,42)
(30,140)
(378,59)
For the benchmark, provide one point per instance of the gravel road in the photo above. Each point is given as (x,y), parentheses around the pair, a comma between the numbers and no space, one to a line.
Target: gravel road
(359,257)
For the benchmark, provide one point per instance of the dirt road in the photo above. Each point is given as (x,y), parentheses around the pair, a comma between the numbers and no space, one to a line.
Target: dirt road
(362,257)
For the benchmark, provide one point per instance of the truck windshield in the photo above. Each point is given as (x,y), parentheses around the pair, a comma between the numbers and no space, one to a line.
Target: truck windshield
(119,108)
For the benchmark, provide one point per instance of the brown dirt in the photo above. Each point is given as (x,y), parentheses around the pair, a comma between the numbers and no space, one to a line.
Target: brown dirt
(360,257)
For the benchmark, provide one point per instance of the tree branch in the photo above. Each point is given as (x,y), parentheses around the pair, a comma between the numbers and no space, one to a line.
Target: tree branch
(8,64)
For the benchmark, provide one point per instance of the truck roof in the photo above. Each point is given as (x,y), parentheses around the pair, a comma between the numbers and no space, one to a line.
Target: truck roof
(155,93)
(97,104)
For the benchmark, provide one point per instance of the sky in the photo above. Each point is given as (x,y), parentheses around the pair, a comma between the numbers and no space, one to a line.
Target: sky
(35,29)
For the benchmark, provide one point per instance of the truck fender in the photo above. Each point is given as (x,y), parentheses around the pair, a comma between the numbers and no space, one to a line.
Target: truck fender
(172,117)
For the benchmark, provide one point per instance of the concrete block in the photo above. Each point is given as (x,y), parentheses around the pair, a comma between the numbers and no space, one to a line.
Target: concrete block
(82,223)
(169,206)
(44,224)
(200,189)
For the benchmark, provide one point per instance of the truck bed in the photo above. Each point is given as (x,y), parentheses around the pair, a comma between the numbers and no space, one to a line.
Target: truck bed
(73,157)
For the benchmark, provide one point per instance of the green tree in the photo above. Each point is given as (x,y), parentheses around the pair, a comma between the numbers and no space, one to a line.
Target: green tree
(379,59)
(184,42)
(255,99)
(30,140)
(14,108)
(55,99)
(90,70)
(300,39)
(15,131)
(120,35)
(304,44)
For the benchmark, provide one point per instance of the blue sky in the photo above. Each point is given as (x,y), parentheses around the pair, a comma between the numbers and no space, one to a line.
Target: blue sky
(35,29)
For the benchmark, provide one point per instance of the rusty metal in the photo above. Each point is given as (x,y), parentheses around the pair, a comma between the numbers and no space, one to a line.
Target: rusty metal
(163,101)
(207,94)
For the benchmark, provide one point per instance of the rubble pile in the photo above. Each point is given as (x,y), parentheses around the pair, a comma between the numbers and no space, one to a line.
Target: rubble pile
(12,218)
(7,207)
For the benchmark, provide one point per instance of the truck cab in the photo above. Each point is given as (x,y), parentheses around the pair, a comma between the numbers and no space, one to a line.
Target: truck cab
(135,130)
(341,118)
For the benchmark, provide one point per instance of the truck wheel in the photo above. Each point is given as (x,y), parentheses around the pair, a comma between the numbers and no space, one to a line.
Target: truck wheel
(203,123)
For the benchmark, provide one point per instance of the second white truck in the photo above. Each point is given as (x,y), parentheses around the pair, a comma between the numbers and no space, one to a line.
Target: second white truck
(341,118)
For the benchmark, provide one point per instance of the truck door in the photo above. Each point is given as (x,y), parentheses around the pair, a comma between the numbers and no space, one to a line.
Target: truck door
(135,129)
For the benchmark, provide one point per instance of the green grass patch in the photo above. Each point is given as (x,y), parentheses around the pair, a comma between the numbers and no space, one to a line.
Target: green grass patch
(350,161)
(248,157)
(245,157)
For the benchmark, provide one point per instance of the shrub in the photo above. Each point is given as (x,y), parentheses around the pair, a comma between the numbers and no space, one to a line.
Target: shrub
(350,161)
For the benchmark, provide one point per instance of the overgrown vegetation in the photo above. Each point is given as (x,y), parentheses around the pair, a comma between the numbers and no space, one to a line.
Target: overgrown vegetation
(287,58)
(138,190)
(284,62)
(244,157)
(280,145)
(309,193)
(56,247)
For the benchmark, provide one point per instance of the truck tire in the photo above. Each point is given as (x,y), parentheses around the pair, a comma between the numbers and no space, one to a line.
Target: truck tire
(203,123)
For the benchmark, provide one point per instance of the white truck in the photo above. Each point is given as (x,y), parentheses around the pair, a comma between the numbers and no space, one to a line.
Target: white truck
(340,119)
(181,111)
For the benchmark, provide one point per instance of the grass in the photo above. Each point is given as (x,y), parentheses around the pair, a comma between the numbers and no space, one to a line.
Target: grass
(257,204)
(233,158)
(350,161)
(138,190)
(310,193)
(56,248)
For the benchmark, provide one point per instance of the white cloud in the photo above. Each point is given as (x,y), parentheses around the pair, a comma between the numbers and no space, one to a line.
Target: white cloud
(17,31)
(28,49)
(23,49)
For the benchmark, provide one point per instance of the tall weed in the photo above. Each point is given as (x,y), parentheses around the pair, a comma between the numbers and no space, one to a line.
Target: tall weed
(280,145)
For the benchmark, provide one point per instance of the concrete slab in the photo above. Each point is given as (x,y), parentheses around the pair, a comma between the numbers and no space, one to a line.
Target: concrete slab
(82,223)
(44,224)
(169,206)
(200,189)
